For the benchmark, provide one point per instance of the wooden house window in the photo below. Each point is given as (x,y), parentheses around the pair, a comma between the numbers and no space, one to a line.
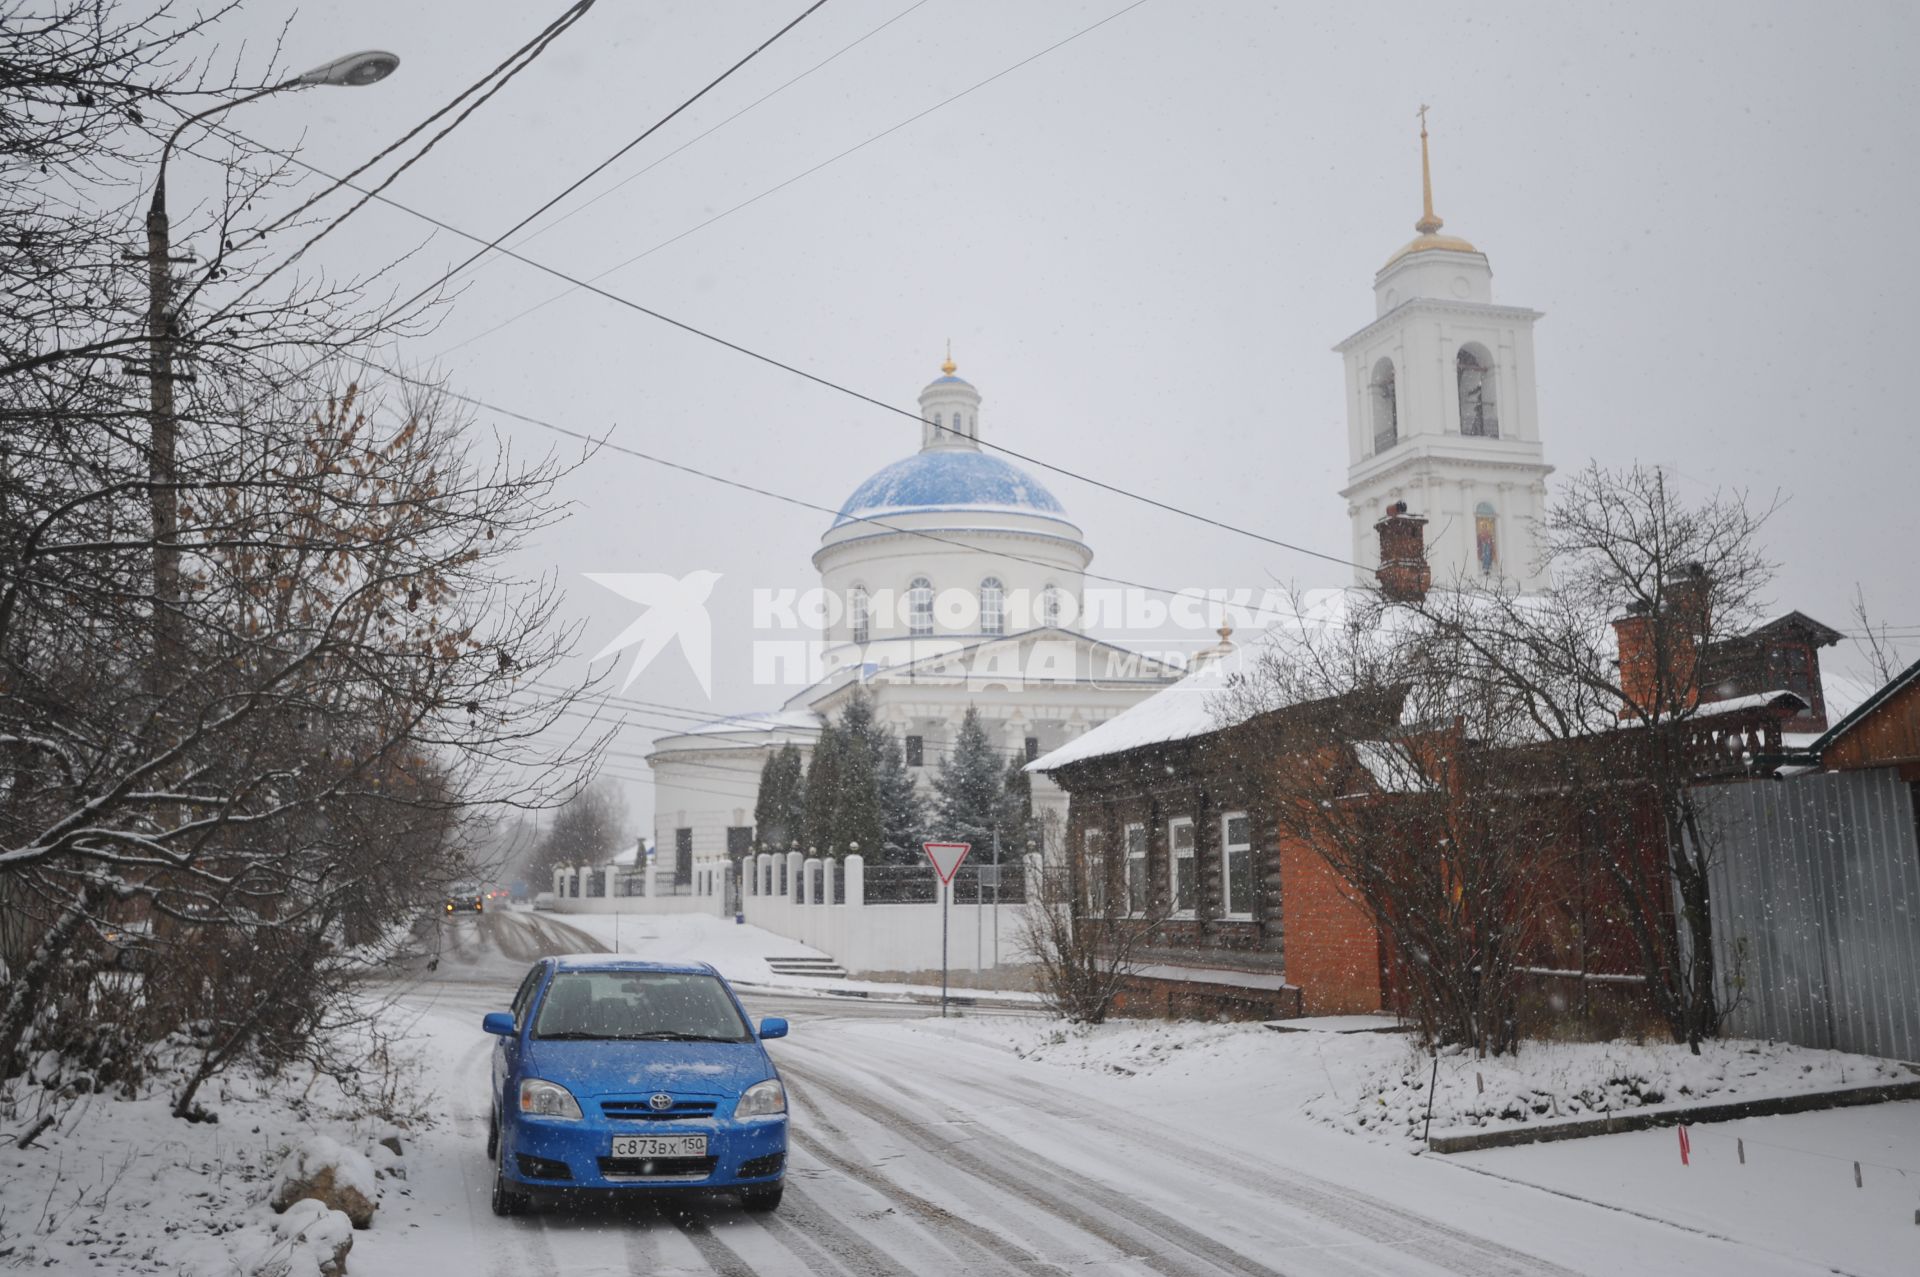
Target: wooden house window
(1180,845)
(1136,870)
(1095,867)
(1236,864)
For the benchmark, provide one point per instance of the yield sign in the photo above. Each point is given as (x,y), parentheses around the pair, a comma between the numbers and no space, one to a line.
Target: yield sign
(946,857)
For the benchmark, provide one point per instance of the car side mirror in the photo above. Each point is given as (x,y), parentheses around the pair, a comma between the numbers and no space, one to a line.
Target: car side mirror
(773,1027)
(500,1022)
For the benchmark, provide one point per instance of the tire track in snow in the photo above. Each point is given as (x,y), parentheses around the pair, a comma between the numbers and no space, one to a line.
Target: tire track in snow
(1125,1223)
(931,1213)
(1374,1220)
(716,1254)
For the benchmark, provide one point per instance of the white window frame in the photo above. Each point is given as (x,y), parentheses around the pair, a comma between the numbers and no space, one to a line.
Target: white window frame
(993,606)
(1136,868)
(1239,910)
(1093,842)
(860,609)
(920,620)
(1175,856)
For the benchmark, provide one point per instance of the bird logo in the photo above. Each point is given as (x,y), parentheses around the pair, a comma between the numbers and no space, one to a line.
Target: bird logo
(676,608)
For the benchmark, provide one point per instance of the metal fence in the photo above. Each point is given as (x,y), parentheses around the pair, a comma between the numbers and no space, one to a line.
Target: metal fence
(972,884)
(1816,910)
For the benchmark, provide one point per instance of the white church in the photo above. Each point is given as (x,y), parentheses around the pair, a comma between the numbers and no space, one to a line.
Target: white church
(962,576)
(959,579)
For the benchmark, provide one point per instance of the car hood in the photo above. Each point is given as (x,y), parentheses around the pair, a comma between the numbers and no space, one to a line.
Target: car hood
(641,1068)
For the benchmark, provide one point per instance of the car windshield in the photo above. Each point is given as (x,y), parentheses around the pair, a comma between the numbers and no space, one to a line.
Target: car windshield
(641,1006)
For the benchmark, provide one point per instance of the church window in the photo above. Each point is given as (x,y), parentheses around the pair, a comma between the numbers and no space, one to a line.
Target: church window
(1485,549)
(1050,605)
(862,620)
(993,606)
(920,606)
(1032,747)
(916,751)
(1474,368)
(1386,407)
(938,421)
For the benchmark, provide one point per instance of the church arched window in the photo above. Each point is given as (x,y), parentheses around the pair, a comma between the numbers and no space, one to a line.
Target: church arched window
(938,422)
(1386,407)
(1486,549)
(920,606)
(993,606)
(860,613)
(1050,605)
(1474,368)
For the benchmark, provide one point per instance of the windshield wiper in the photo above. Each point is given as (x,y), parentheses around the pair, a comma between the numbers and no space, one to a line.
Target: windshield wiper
(572,1035)
(665,1035)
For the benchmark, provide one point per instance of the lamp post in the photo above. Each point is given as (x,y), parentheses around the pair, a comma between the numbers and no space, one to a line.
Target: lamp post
(352,71)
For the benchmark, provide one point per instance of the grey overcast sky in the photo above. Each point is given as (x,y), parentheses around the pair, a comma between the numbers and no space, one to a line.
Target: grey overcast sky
(1143,244)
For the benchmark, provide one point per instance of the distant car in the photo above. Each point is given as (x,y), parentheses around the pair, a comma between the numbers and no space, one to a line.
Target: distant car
(543,900)
(616,1077)
(466,902)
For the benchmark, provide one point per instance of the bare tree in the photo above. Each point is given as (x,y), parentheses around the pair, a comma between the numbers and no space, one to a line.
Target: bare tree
(1382,748)
(1875,642)
(1608,664)
(1077,928)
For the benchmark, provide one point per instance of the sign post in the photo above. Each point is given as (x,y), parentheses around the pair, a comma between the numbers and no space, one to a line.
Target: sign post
(946,858)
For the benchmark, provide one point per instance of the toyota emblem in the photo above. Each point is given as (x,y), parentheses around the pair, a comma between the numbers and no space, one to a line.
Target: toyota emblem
(661,1102)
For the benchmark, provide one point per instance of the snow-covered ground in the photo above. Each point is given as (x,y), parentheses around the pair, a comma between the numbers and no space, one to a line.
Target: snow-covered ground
(123,1186)
(1006,1143)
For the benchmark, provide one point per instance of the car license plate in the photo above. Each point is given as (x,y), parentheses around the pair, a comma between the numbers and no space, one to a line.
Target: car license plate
(659,1146)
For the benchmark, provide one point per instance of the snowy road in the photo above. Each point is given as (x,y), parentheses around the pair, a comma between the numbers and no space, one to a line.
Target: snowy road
(915,1152)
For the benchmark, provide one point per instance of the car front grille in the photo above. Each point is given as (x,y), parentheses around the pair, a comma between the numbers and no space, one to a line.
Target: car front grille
(657,1167)
(643,1110)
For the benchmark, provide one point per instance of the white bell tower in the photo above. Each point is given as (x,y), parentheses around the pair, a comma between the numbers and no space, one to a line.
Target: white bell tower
(1441,411)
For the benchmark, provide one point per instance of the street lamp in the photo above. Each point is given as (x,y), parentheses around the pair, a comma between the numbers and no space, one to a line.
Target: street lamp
(351,71)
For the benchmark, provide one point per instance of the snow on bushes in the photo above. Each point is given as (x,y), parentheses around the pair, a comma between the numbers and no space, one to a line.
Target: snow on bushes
(1547,1082)
(309,1240)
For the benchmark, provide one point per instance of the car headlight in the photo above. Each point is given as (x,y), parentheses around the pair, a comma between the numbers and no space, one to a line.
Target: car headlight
(762,1099)
(548,1099)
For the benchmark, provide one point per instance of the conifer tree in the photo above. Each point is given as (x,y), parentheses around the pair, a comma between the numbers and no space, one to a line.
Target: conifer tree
(823,791)
(903,812)
(1016,823)
(856,808)
(780,812)
(969,786)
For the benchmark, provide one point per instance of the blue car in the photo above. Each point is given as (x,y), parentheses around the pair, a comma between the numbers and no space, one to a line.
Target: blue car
(614,1076)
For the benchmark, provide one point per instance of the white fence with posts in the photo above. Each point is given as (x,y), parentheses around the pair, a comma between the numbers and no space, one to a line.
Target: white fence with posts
(878,918)
(832,905)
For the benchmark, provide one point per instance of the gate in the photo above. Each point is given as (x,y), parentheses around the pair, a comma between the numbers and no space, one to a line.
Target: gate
(1816,910)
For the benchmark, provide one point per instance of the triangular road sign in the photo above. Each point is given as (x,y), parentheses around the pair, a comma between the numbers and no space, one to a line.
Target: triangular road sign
(946,857)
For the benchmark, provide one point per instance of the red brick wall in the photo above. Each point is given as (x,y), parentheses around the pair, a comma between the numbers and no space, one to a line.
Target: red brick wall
(1333,949)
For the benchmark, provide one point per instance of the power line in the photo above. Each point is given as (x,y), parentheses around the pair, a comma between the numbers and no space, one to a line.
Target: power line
(601,167)
(802,373)
(802,503)
(701,136)
(778,187)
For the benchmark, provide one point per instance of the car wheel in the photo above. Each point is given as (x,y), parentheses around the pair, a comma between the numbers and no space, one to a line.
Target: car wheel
(505,1200)
(761,1198)
(493,1135)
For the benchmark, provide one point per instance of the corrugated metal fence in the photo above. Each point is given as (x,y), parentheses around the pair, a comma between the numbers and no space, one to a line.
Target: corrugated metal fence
(1816,910)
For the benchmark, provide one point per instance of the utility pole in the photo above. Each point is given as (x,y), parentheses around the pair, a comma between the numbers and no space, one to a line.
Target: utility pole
(163,332)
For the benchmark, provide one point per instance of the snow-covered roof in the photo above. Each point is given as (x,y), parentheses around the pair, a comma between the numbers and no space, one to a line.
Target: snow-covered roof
(1193,706)
(780,720)
(950,479)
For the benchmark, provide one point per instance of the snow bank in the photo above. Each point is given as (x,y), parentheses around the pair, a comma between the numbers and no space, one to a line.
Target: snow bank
(1547,1082)
(308,1241)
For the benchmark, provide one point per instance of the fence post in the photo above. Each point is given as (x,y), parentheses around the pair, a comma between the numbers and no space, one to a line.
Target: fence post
(853,883)
(794,861)
(809,881)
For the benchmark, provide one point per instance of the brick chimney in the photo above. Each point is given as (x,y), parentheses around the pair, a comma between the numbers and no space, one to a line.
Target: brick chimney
(1682,626)
(1404,574)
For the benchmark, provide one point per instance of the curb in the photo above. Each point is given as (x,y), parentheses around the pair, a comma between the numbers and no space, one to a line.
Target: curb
(1731,1111)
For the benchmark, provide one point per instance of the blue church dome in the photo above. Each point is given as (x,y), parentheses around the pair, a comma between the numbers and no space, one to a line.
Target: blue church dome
(950,479)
